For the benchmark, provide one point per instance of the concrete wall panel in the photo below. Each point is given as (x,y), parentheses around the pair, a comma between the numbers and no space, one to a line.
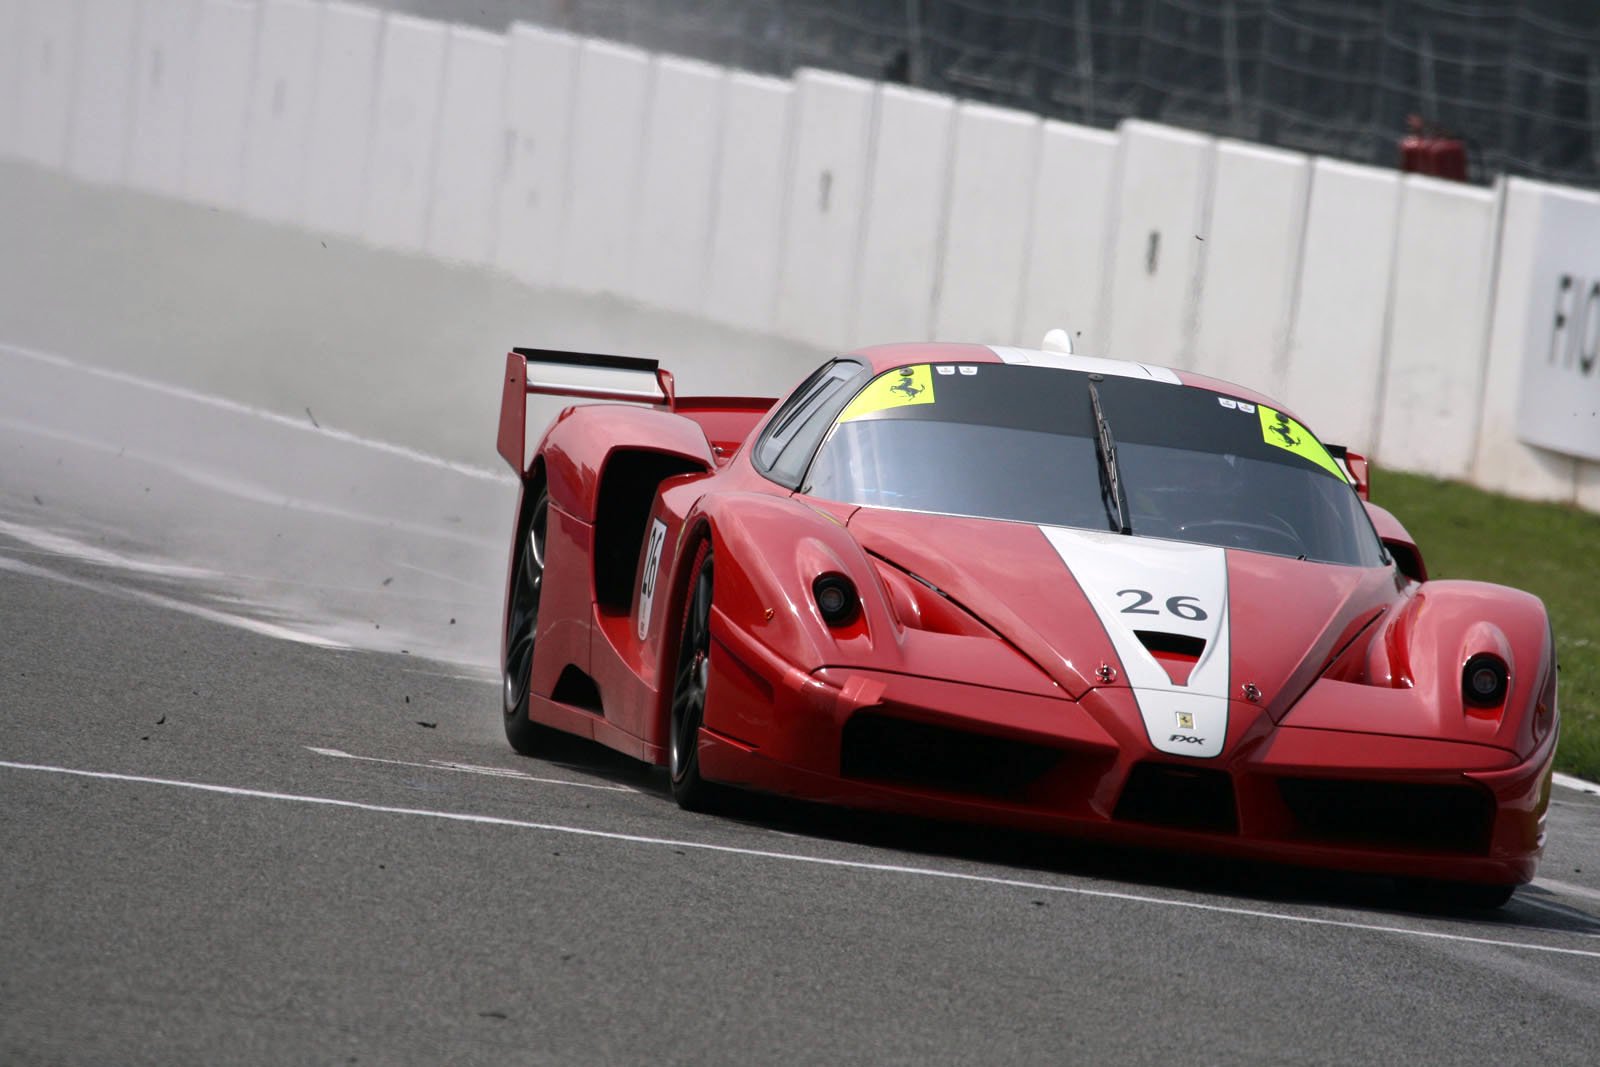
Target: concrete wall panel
(748,217)
(1528,299)
(47,80)
(1071,227)
(10,73)
(1148,305)
(470,160)
(904,226)
(102,119)
(1559,404)
(1252,258)
(339,135)
(1437,328)
(404,132)
(280,109)
(164,65)
(988,227)
(608,131)
(540,77)
(827,189)
(219,104)
(672,235)
(1335,363)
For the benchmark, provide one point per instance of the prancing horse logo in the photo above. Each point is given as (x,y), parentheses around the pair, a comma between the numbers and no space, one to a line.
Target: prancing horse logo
(905,386)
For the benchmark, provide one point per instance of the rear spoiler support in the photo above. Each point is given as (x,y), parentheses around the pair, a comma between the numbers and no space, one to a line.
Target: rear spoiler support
(519,385)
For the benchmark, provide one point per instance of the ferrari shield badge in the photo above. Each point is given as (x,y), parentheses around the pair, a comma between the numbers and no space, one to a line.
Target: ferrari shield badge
(1185,720)
(897,388)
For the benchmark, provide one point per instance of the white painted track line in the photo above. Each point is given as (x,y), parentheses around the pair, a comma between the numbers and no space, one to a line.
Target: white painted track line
(821,861)
(468,768)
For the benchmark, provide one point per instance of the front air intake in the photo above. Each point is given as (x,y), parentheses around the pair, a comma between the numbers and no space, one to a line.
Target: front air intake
(1441,818)
(1184,798)
(896,751)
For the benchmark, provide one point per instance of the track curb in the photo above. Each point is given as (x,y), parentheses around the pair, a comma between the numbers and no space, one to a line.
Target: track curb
(1579,784)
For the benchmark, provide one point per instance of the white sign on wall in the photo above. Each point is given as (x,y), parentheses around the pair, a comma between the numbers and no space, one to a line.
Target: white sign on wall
(1560,403)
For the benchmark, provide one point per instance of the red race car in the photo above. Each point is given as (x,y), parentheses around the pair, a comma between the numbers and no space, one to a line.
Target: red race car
(1027,588)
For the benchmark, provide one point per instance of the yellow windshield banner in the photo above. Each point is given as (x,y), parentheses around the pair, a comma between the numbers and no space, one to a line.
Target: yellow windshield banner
(896,388)
(1280,430)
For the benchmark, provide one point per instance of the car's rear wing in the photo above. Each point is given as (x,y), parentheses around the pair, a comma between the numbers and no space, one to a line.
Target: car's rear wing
(629,379)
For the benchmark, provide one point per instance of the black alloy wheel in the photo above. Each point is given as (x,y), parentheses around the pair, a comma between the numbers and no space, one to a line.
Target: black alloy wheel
(522,622)
(689,691)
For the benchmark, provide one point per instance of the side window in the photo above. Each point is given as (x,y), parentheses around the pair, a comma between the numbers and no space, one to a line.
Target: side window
(789,439)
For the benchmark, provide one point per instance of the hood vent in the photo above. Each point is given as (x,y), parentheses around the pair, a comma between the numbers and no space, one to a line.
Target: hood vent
(1177,653)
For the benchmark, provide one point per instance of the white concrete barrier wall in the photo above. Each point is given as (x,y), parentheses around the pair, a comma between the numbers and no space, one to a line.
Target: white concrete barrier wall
(827,208)
(1164,189)
(10,74)
(97,150)
(1588,495)
(406,122)
(988,224)
(47,72)
(827,190)
(1527,309)
(163,76)
(469,163)
(903,229)
(281,97)
(1436,347)
(219,101)
(613,91)
(1335,359)
(341,119)
(747,227)
(1252,259)
(683,129)
(1066,255)
(541,73)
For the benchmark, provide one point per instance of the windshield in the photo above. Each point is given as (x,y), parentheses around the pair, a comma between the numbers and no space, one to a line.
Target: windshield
(1017,442)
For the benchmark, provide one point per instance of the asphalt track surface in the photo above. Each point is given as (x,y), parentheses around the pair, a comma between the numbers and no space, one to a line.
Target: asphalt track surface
(225,847)
(256,807)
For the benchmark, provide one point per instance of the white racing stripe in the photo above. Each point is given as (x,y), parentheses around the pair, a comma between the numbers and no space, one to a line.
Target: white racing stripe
(1114,368)
(820,861)
(1165,587)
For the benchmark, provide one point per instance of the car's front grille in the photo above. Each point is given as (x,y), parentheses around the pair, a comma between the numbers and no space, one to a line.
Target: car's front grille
(1185,798)
(884,748)
(1443,818)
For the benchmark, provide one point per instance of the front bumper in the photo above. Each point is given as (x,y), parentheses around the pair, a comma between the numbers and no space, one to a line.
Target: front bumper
(1389,805)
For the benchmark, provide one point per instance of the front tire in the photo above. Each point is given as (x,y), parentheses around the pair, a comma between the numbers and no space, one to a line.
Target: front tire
(522,624)
(690,682)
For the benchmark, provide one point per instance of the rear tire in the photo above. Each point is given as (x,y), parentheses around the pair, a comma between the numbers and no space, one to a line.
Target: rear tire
(689,789)
(522,624)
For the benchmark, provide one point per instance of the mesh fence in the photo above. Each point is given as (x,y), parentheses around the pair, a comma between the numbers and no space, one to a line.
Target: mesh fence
(1518,81)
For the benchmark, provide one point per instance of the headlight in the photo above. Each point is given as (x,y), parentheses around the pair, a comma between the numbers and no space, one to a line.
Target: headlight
(1484,681)
(837,599)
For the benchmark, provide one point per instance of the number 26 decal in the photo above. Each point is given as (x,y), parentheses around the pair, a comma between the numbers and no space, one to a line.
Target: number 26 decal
(1184,607)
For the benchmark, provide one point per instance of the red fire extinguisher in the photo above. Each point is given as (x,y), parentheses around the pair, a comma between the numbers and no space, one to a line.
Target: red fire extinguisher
(1427,149)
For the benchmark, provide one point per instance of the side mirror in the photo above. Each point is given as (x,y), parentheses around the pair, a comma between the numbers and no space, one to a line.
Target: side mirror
(1400,544)
(1354,467)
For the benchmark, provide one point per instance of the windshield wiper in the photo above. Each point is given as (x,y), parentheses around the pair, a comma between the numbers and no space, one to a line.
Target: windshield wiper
(1105,449)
